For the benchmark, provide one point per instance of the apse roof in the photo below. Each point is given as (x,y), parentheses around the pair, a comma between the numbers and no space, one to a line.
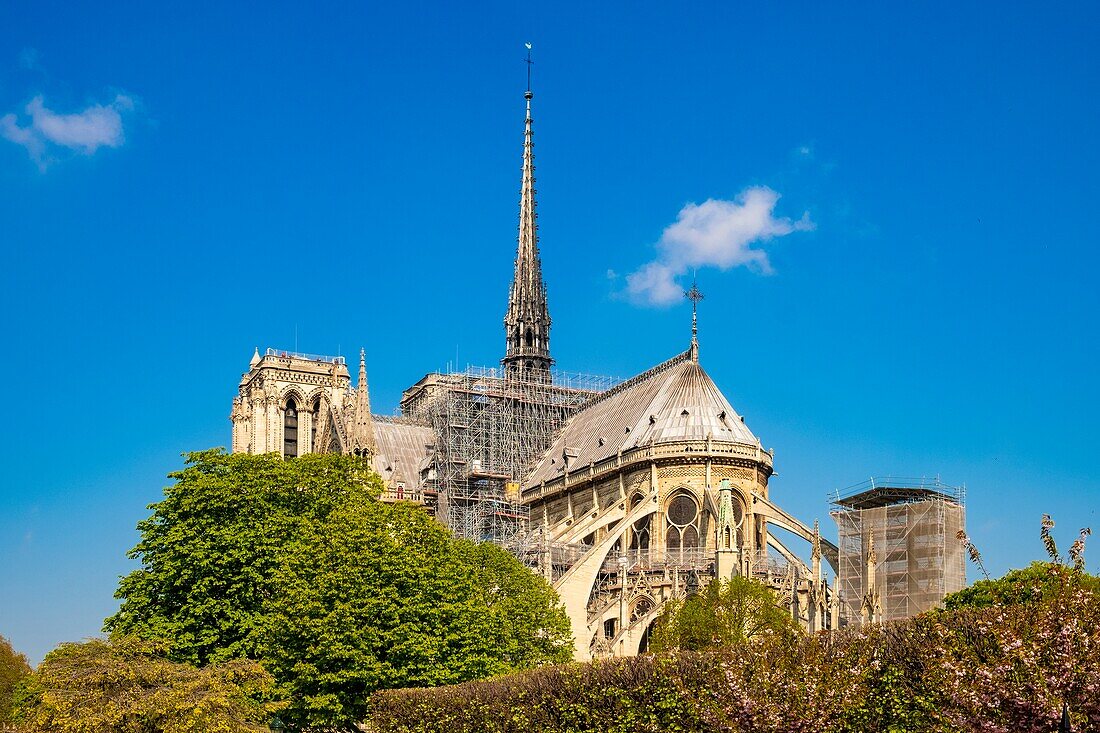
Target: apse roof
(674,401)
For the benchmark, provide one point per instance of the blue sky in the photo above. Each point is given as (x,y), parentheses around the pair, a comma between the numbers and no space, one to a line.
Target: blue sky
(180,185)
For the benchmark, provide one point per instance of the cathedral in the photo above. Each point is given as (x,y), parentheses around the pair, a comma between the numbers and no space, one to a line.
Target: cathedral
(623,495)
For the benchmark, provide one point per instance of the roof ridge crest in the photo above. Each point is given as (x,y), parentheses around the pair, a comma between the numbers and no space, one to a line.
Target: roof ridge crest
(623,386)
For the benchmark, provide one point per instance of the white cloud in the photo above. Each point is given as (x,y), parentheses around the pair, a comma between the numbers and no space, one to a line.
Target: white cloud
(99,125)
(715,233)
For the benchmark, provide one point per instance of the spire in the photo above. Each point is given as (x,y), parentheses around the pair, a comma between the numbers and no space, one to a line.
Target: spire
(255,357)
(871,607)
(527,323)
(694,295)
(362,438)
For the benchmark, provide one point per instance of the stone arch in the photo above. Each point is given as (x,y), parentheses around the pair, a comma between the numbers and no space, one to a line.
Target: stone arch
(292,392)
(575,586)
(629,639)
(315,397)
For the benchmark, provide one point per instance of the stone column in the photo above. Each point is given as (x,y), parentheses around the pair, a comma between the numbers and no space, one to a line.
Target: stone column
(305,432)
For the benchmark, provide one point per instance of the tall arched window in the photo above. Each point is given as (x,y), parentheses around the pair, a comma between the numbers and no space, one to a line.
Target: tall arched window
(640,531)
(682,532)
(316,410)
(290,429)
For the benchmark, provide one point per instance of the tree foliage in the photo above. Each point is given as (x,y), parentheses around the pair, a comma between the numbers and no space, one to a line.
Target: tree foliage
(297,564)
(1036,582)
(727,612)
(211,548)
(13,668)
(125,686)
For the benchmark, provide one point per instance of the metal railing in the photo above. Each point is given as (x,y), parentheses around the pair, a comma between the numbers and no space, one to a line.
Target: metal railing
(282,354)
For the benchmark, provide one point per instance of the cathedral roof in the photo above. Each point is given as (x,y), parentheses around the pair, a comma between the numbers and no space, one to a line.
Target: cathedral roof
(674,401)
(403,450)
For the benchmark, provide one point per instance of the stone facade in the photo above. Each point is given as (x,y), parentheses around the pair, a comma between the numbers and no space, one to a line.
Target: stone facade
(655,489)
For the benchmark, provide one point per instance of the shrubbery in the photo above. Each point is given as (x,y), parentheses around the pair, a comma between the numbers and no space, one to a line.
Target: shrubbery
(126,685)
(996,669)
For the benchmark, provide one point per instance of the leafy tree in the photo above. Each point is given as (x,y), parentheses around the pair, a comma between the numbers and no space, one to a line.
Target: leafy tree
(1037,582)
(727,612)
(125,686)
(13,668)
(297,564)
(378,599)
(211,548)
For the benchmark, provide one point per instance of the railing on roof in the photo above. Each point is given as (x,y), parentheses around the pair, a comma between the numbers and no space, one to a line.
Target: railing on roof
(563,380)
(712,448)
(918,487)
(283,354)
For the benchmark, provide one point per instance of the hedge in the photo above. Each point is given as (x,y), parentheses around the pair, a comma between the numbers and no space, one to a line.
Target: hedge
(1001,670)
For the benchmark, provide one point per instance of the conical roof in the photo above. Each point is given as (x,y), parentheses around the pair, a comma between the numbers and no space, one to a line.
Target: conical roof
(675,401)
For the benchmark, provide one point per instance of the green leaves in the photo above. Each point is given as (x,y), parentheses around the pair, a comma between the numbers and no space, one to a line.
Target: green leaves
(725,613)
(13,668)
(125,685)
(297,564)
(1036,582)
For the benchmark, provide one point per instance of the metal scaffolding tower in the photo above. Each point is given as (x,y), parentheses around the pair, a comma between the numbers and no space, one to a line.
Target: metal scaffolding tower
(490,428)
(912,524)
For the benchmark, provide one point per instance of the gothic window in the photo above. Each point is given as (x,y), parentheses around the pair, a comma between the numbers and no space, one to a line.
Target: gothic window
(530,339)
(290,429)
(682,532)
(642,607)
(313,425)
(640,532)
(639,535)
(610,626)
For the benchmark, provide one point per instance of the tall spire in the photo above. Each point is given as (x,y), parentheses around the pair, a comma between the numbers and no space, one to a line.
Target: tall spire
(527,323)
(362,438)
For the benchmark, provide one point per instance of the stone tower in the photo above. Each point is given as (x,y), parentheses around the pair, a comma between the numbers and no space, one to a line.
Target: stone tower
(527,323)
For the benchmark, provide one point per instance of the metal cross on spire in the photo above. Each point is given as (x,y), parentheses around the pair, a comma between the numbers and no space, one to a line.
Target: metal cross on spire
(694,295)
(529,62)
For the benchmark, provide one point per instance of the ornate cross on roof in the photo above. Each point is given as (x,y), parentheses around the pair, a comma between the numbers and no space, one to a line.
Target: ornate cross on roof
(694,295)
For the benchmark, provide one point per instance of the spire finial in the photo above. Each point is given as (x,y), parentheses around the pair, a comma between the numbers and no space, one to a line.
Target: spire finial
(528,95)
(694,295)
(362,439)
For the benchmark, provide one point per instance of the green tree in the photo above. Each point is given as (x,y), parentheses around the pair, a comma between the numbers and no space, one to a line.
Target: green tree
(1038,581)
(379,599)
(297,564)
(13,668)
(727,612)
(125,686)
(210,550)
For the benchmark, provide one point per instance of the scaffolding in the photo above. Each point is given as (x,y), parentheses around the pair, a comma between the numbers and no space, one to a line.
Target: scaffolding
(913,524)
(491,428)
